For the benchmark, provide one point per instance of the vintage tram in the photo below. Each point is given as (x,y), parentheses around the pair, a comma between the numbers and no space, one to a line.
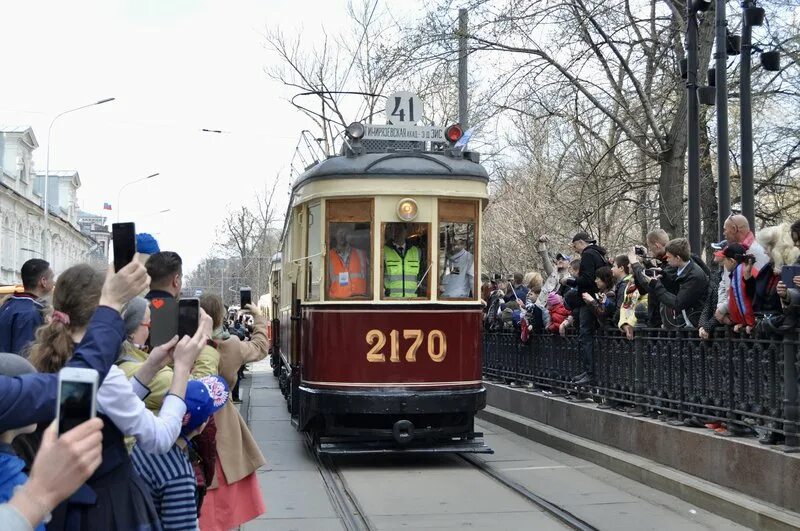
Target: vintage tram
(376,316)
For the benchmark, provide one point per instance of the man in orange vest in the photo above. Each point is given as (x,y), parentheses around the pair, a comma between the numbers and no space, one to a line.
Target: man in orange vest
(347,268)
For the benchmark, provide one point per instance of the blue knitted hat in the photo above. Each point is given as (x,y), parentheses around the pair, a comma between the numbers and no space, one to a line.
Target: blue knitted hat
(203,398)
(146,244)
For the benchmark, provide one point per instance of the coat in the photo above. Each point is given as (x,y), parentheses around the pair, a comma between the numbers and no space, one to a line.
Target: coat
(31,398)
(20,316)
(593,258)
(558,314)
(690,294)
(11,475)
(238,452)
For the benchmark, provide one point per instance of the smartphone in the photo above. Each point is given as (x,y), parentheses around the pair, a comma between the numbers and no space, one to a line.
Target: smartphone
(788,272)
(124,237)
(163,320)
(246,297)
(188,316)
(77,397)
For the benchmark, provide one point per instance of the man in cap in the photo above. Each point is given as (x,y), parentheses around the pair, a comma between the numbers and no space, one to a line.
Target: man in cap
(554,274)
(592,259)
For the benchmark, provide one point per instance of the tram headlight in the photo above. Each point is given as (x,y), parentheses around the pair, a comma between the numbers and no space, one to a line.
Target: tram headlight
(407,209)
(355,131)
(454,133)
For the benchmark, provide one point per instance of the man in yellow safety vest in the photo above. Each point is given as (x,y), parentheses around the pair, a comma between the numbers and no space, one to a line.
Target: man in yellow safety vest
(401,264)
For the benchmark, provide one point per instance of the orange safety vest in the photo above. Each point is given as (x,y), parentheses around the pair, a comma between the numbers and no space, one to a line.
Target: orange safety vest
(350,280)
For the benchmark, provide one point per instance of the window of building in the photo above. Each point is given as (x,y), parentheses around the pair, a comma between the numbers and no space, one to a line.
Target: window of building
(458,272)
(348,273)
(314,251)
(405,256)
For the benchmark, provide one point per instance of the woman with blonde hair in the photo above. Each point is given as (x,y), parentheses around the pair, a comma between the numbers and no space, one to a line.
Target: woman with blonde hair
(235,496)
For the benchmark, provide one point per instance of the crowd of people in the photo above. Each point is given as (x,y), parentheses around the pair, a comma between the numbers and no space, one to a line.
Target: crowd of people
(168,448)
(662,284)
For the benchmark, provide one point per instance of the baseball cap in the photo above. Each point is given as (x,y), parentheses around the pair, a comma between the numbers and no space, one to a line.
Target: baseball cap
(204,397)
(718,246)
(14,365)
(562,256)
(734,250)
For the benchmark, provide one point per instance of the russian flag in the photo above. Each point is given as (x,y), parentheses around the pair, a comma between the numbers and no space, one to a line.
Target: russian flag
(106,206)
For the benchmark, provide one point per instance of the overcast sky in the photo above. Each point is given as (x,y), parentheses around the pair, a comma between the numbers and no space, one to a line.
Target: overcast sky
(174,67)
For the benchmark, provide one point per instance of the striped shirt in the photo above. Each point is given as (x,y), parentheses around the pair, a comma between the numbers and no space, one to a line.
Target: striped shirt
(170,478)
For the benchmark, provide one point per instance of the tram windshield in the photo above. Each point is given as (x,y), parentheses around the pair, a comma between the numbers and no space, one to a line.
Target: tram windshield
(405,261)
(456,260)
(348,260)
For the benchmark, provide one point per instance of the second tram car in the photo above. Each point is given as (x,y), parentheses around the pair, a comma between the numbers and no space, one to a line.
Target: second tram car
(376,316)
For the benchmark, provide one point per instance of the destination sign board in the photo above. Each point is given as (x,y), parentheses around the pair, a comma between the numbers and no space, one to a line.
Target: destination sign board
(413,133)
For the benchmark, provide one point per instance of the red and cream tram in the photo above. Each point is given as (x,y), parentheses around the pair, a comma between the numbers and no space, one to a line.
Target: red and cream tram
(375,298)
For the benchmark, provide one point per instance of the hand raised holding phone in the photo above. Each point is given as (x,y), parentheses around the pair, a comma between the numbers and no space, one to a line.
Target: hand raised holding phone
(187,349)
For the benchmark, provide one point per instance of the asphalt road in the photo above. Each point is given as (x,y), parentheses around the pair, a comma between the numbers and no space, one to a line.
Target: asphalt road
(444,492)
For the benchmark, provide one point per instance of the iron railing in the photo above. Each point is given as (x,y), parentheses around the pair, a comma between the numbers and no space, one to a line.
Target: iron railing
(744,381)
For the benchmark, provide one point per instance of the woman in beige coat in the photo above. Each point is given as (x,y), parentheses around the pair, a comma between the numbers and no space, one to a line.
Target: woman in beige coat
(234,497)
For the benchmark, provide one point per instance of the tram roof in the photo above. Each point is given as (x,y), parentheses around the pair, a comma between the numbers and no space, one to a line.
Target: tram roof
(438,165)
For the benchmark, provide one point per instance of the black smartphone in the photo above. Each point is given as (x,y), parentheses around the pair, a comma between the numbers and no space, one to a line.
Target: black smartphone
(788,272)
(124,238)
(245,297)
(77,397)
(188,317)
(163,320)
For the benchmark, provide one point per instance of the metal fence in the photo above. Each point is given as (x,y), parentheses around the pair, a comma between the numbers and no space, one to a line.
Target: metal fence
(746,382)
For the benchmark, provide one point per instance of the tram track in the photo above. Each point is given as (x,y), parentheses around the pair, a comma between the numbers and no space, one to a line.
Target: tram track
(344,502)
(554,510)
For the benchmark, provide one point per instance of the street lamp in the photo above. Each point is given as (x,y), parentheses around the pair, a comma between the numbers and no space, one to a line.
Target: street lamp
(119,194)
(46,239)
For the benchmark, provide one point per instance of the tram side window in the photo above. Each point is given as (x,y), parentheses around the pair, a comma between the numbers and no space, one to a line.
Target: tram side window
(348,260)
(314,252)
(405,261)
(458,244)
(456,260)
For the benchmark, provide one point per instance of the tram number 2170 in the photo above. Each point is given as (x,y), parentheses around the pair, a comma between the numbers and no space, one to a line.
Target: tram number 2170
(437,345)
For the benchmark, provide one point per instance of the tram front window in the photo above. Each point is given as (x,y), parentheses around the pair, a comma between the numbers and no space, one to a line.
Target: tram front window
(348,260)
(457,260)
(405,263)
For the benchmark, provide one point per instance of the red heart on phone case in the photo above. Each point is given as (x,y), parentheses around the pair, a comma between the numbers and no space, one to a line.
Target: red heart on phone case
(158,303)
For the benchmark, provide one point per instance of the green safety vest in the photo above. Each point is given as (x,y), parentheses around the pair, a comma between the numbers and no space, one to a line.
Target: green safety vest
(400,272)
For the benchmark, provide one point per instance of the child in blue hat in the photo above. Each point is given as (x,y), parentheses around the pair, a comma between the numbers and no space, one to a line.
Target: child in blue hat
(171,477)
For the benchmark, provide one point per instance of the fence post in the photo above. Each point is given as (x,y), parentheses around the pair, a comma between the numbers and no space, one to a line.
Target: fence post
(790,384)
(639,343)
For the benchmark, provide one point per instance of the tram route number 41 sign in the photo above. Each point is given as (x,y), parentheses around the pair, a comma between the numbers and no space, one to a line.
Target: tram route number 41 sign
(403,111)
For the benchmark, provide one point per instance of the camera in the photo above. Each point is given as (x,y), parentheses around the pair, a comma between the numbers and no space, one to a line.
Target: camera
(749,259)
(652,272)
(640,250)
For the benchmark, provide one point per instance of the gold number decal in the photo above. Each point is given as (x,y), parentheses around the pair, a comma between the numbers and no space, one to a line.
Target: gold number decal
(417,335)
(437,354)
(377,340)
(395,335)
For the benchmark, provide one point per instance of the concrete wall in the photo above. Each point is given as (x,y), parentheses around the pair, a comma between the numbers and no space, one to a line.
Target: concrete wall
(741,464)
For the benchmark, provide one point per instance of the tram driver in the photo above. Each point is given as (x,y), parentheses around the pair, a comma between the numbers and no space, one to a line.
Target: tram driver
(402,262)
(458,280)
(347,267)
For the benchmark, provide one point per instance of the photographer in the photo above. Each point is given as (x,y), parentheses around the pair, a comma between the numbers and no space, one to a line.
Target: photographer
(652,263)
(682,306)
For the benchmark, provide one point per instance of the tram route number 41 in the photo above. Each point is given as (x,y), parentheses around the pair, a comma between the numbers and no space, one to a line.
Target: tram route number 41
(403,108)
(436,343)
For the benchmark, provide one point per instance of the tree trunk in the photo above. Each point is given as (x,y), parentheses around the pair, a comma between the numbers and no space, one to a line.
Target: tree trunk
(708,188)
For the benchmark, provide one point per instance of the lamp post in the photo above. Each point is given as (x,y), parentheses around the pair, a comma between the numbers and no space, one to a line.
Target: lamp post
(46,239)
(721,82)
(119,194)
(693,121)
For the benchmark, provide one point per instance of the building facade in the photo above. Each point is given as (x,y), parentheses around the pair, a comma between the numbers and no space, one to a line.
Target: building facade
(22,235)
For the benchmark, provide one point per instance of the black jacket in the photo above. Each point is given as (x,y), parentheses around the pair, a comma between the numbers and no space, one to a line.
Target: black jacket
(691,294)
(592,259)
(707,319)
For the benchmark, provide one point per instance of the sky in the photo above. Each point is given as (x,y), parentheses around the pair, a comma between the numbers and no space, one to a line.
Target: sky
(174,67)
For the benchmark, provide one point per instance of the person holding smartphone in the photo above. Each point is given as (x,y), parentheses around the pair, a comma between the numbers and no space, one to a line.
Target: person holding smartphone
(31,398)
(235,496)
(114,497)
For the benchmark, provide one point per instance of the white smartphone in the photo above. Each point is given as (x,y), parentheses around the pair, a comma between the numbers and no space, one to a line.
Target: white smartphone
(77,397)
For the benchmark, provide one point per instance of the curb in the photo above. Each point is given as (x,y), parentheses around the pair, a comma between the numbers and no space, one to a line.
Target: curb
(724,502)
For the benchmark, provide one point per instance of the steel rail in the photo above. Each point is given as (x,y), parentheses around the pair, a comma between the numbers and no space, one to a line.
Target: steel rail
(556,511)
(344,502)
